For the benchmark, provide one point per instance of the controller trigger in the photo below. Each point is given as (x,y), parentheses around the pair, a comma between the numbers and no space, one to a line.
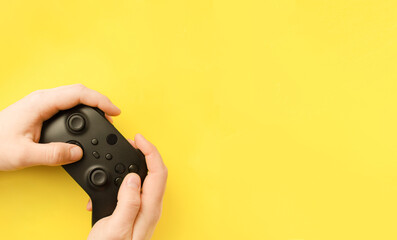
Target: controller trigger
(99,111)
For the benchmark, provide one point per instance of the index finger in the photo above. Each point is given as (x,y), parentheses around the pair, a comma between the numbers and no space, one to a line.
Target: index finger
(154,161)
(155,181)
(153,188)
(51,101)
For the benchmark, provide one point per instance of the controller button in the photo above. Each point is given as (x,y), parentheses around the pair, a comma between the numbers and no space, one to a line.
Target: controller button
(111,139)
(94,141)
(108,156)
(75,143)
(119,168)
(118,181)
(95,154)
(98,177)
(133,168)
(76,122)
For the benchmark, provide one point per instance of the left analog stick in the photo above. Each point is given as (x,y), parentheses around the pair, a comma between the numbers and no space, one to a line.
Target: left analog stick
(76,122)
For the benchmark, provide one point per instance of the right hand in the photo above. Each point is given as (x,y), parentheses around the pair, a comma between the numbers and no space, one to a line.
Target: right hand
(136,214)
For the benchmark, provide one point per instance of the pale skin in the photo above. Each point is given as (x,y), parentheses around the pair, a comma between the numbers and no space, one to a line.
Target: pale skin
(138,210)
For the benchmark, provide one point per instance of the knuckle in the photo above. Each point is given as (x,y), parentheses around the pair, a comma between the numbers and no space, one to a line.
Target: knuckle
(107,99)
(79,86)
(38,92)
(36,95)
(21,158)
(153,152)
(109,233)
(165,171)
(154,148)
(54,155)
(156,215)
(135,202)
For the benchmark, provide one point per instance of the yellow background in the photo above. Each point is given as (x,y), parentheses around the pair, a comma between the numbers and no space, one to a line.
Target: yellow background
(276,119)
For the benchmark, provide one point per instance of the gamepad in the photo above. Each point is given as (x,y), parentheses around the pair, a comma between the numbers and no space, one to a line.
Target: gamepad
(107,156)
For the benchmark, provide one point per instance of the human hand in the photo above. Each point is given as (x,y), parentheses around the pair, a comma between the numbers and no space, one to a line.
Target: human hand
(136,213)
(21,122)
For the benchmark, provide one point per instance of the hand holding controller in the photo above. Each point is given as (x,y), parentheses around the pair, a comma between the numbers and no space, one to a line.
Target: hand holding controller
(137,212)
(138,209)
(108,157)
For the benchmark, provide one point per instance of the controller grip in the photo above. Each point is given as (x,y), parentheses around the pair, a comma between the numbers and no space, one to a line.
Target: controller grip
(102,208)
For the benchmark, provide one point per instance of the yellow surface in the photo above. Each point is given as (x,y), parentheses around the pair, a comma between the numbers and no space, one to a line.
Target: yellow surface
(277,119)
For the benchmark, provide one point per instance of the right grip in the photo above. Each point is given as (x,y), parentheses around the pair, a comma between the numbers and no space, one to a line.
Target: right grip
(102,208)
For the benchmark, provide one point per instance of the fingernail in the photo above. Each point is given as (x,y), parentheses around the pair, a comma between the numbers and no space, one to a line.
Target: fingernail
(133,181)
(75,152)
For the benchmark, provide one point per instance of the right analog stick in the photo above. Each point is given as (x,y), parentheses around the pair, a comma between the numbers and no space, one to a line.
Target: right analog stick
(98,177)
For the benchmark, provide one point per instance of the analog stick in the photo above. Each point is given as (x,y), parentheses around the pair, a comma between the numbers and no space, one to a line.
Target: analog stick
(76,122)
(75,143)
(98,177)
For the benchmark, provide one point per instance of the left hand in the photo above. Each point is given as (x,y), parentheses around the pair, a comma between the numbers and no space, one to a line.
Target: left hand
(20,126)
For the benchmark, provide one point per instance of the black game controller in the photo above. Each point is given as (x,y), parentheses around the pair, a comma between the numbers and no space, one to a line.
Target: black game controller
(108,157)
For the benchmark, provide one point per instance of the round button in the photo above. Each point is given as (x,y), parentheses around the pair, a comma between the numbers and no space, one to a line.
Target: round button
(119,168)
(111,139)
(94,141)
(108,156)
(118,181)
(98,177)
(133,168)
(76,122)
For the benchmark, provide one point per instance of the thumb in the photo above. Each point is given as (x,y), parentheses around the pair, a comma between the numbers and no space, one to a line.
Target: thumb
(129,202)
(54,154)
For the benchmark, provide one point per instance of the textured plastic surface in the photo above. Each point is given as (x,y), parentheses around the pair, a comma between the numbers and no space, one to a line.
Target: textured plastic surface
(104,197)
